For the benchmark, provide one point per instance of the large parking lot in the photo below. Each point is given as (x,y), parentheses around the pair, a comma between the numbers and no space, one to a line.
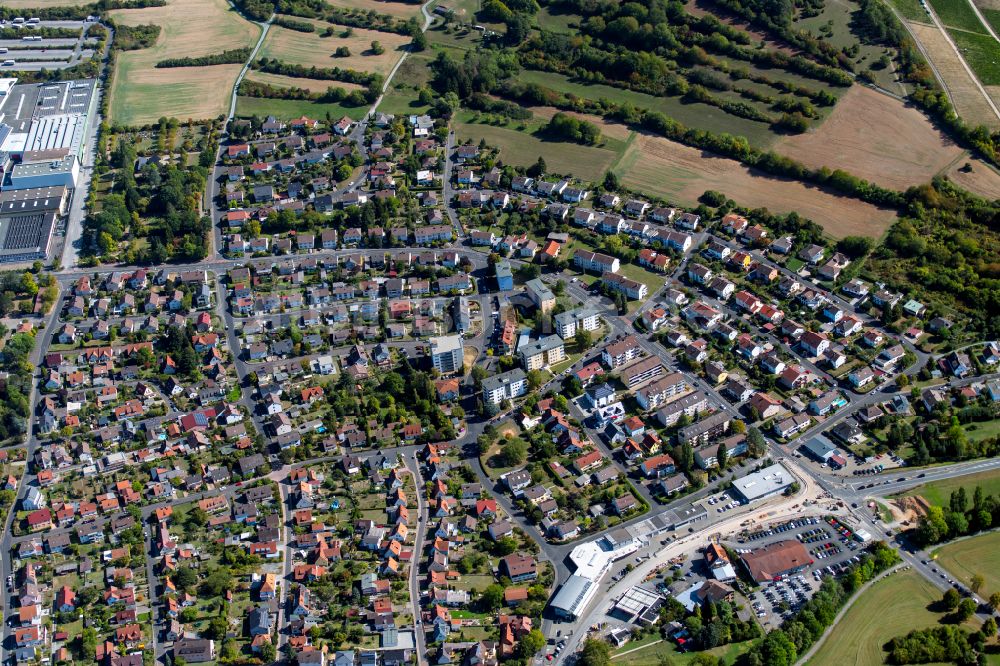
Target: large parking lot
(830,543)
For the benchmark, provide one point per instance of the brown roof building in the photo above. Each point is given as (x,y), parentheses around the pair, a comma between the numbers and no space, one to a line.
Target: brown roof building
(776,560)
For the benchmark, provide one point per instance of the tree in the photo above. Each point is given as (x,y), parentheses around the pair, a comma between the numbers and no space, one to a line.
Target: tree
(990,627)
(722,456)
(966,609)
(342,52)
(513,452)
(419,42)
(531,643)
(756,445)
(217,628)
(185,578)
(611,181)
(377,48)
(583,340)
(594,653)
(995,601)
(217,582)
(951,599)
(492,597)
(268,653)
(976,582)
(188,615)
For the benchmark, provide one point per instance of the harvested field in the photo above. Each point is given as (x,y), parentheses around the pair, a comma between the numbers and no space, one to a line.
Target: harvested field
(312,85)
(969,102)
(310,49)
(682,174)
(521,148)
(153,93)
(401,9)
(141,93)
(894,145)
(982,180)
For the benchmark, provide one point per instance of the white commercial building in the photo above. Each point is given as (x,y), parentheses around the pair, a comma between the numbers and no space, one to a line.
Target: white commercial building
(766,483)
(592,560)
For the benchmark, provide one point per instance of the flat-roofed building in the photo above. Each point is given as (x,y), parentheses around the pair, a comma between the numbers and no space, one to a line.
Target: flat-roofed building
(765,483)
(641,371)
(569,322)
(447,353)
(505,386)
(26,220)
(541,353)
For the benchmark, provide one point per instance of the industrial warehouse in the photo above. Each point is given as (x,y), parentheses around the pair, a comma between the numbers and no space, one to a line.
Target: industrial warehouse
(43,134)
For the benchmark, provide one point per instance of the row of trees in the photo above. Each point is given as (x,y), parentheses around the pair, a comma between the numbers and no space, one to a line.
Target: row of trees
(230,57)
(275,66)
(331,95)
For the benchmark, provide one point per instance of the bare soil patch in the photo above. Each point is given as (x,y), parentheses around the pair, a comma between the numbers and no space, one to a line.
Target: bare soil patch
(682,174)
(969,102)
(310,49)
(875,137)
(908,509)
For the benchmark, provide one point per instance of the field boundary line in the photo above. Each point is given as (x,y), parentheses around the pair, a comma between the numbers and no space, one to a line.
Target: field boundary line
(818,643)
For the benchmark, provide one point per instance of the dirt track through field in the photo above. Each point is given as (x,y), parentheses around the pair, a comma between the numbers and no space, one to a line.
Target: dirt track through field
(682,174)
(875,137)
(969,102)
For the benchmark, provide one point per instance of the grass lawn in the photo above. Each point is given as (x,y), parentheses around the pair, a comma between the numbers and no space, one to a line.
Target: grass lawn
(551,19)
(980,431)
(957,14)
(312,49)
(293,108)
(978,555)
(653,281)
(939,492)
(522,148)
(698,116)
(857,640)
(981,52)
(650,656)
(474,582)
(992,16)
(911,9)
